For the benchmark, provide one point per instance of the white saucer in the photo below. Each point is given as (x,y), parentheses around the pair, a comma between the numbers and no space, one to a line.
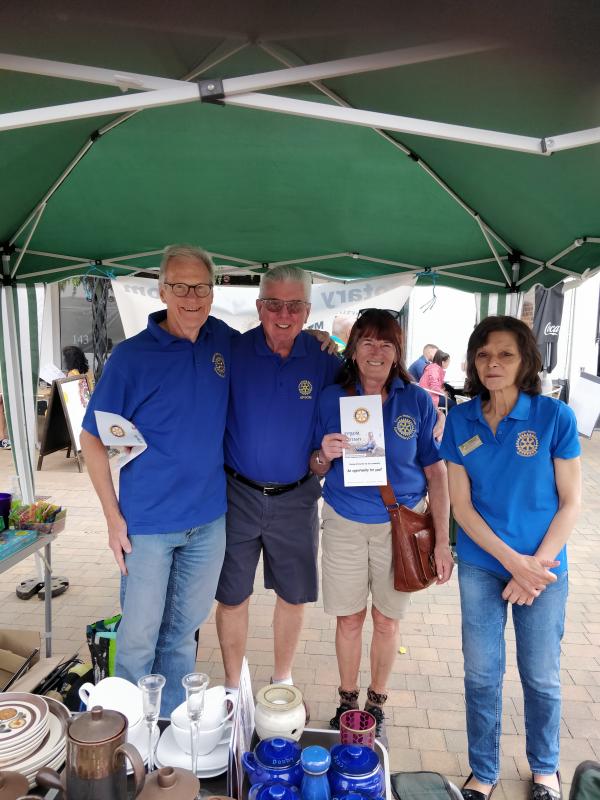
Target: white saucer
(169,754)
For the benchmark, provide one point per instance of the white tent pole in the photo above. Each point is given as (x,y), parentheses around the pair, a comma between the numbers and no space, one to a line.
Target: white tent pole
(248,83)
(307,260)
(59,256)
(390,122)
(467,278)
(388,262)
(564,271)
(79,72)
(53,270)
(494,252)
(533,260)
(460,264)
(531,274)
(351,66)
(23,249)
(52,189)
(568,141)
(14,391)
(577,243)
(184,93)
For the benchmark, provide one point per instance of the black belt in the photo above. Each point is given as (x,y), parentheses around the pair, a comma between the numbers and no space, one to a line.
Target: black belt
(267,489)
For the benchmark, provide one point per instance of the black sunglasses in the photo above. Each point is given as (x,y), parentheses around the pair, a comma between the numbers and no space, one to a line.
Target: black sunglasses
(395,314)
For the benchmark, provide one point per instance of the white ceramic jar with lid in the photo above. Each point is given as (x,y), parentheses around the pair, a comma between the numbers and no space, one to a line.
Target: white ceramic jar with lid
(279,712)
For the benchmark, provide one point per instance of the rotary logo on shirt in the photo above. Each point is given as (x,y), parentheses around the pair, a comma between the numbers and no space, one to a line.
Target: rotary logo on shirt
(219,364)
(305,390)
(527,443)
(405,427)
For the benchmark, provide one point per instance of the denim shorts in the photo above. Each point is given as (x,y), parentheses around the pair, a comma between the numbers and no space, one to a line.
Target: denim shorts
(285,529)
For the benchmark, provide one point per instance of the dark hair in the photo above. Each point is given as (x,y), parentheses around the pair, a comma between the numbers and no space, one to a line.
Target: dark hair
(440,357)
(74,358)
(380,325)
(527,380)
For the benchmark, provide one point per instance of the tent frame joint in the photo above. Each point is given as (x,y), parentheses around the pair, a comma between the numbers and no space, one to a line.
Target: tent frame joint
(211,90)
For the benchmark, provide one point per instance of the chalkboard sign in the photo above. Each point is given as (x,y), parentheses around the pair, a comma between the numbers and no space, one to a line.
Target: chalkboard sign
(66,408)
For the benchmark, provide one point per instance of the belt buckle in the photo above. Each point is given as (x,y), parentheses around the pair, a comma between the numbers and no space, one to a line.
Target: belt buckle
(268,490)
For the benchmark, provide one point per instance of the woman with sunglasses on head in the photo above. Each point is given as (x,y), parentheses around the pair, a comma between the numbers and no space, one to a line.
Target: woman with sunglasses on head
(357,539)
(515,485)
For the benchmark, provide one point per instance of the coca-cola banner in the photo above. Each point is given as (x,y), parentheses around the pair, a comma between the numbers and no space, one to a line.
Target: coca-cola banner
(546,323)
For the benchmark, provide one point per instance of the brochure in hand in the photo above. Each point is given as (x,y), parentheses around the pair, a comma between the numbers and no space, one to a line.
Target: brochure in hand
(362,422)
(116,431)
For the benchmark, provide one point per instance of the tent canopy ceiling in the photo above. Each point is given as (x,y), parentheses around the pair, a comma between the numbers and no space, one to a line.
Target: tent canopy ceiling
(258,188)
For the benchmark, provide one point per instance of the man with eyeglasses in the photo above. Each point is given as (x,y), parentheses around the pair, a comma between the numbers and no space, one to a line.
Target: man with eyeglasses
(167,528)
(277,373)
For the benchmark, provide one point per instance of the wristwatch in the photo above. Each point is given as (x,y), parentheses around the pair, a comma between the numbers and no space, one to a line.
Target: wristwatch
(318,460)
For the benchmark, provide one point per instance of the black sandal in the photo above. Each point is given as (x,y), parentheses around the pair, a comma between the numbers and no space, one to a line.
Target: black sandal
(473,794)
(539,791)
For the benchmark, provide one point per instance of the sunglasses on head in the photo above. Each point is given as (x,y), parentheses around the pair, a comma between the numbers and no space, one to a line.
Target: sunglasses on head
(395,314)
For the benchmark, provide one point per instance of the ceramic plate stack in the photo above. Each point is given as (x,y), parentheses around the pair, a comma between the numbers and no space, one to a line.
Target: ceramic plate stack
(32,733)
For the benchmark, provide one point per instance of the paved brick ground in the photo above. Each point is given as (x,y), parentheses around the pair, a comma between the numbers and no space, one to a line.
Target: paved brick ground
(426,705)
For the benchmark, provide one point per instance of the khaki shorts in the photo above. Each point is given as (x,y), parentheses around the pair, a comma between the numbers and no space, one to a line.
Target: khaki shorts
(357,559)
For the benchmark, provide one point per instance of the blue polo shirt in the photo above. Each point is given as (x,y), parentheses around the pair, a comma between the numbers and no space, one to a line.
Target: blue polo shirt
(273,406)
(175,392)
(512,473)
(408,421)
(417,368)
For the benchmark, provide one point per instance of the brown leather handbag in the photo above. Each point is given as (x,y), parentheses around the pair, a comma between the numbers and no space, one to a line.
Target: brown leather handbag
(413,541)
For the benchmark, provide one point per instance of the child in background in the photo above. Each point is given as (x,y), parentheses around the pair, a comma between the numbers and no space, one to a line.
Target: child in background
(434,374)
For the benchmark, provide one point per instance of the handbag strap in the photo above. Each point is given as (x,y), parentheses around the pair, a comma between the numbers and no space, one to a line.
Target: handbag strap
(390,501)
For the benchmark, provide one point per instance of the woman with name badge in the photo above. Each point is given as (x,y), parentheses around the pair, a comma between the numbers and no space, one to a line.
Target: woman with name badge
(515,486)
(357,540)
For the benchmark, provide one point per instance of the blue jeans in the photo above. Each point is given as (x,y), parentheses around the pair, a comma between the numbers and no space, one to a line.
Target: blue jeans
(538,630)
(166,596)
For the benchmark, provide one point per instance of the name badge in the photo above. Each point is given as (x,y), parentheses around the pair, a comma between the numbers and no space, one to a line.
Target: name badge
(471,444)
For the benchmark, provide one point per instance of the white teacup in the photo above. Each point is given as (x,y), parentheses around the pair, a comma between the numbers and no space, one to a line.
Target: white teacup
(207,739)
(116,694)
(215,710)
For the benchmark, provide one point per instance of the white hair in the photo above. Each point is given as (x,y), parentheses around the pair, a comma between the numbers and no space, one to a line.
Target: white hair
(286,274)
(185,251)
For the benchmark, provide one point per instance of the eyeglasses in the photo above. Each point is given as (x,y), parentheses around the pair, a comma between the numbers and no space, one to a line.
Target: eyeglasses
(395,314)
(183,289)
(274,305)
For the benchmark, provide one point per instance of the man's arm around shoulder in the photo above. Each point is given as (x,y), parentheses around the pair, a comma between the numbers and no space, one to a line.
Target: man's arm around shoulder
(96,459)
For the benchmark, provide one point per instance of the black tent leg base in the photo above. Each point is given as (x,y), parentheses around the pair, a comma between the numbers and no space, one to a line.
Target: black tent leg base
(60,584)
(26,589)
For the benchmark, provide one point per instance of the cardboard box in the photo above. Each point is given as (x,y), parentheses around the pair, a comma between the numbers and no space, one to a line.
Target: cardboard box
(15,647)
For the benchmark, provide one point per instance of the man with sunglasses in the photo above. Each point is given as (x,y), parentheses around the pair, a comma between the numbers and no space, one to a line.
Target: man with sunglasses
(277,373)
(167,528)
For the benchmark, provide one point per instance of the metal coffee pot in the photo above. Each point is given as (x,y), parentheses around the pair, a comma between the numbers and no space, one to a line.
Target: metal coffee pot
(96,753)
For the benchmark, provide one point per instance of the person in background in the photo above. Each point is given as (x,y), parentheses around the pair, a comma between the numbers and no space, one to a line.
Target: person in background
(357,535)
(515,485)
(417,367)
(77,364)
(340,330)
(434,375)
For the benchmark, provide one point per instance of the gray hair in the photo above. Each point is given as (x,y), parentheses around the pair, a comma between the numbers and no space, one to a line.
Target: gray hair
(185,251)
(286,274)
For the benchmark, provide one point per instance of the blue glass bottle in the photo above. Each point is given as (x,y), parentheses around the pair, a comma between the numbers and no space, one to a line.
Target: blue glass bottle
(315,762)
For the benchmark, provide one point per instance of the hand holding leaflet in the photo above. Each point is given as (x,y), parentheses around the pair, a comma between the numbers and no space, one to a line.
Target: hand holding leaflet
(116,431)
(364,457)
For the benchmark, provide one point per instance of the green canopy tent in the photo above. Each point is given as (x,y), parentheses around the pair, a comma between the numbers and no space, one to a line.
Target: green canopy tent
(470,162)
